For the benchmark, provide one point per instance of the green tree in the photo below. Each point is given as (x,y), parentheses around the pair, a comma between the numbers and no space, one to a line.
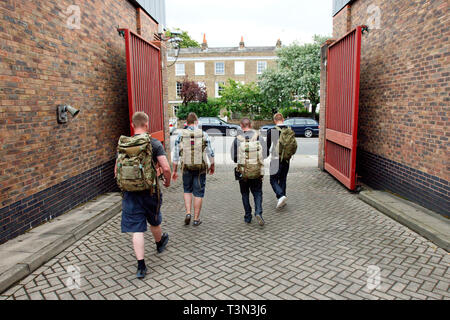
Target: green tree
(276,89)
(298,74)
(245,99)
(187,41)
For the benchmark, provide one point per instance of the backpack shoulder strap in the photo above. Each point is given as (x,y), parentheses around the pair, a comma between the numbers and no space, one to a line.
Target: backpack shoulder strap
(255,136)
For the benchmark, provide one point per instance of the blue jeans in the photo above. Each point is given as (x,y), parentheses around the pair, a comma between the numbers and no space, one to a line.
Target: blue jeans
(278,179)
(255,186)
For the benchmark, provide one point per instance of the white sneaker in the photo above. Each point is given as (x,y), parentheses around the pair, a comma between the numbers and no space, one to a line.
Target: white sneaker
(281,202)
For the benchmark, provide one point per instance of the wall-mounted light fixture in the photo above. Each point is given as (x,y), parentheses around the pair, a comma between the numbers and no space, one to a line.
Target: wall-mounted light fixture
(174,40)
(61,112)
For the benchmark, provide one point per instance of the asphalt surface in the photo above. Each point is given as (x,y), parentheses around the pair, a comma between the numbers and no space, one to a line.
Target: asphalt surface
(222,145)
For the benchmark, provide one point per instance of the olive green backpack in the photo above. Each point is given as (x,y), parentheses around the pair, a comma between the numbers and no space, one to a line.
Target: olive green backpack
(286,145)
(250,157)
(192,150)
(135,168)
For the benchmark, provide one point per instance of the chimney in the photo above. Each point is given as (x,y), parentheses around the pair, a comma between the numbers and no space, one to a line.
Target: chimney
(278,45)
(204,44)
(242,44)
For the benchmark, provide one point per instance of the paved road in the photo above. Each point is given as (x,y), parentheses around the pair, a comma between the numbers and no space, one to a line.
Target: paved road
(320,246)
(223,144)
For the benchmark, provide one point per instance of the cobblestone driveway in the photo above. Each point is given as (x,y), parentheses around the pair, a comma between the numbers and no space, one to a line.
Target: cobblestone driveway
(318,247)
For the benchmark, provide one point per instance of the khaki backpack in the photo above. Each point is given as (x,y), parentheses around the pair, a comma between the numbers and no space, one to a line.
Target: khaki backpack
(192,150)
(135,168)
(286,145)
(250,157)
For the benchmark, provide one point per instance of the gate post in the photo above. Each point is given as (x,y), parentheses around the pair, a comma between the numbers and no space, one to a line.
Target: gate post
(323,100)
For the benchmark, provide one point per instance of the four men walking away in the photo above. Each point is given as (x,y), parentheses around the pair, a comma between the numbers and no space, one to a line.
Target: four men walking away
(140,158)
(191,147)
(281,141)
(136,174)
(248,151)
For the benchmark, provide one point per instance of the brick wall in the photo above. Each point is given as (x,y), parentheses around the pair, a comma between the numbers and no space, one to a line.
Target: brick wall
(47,168)
(404,95)
(146,26)
(342,22)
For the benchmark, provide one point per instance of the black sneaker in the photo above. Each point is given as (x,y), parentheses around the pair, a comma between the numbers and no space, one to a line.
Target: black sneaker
(260,220)
(161,245)
(140,274)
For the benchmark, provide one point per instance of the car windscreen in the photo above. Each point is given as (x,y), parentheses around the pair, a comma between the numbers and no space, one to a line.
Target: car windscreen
(289,122)
(214,121)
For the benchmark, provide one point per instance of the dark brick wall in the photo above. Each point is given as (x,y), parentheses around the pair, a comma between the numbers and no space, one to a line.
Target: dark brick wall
(404,87)
(44,63)
(424,189)
(47,204)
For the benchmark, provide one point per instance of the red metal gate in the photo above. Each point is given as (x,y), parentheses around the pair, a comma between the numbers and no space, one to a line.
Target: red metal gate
(342,107)
(144,81)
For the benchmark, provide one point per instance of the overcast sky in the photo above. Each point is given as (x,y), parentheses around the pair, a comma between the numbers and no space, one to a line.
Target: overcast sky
(261,22)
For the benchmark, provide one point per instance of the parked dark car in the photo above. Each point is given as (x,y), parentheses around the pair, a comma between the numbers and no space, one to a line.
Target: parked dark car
(215,125)
(303,127)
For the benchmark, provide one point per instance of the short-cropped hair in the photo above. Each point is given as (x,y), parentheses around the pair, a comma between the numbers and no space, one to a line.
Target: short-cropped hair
(246,123)
(191,118)
(140,119)
(278,117)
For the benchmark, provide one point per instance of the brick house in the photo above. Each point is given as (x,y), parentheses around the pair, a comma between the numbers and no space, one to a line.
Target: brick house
(404,99)
(212,67)
(61,52)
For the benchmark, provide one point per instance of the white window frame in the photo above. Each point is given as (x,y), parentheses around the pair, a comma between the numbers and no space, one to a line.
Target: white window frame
(175,110)
(257,67)
(178,72)
(239,66)
(217,95)
(199,68)
(201,84)
(215,68)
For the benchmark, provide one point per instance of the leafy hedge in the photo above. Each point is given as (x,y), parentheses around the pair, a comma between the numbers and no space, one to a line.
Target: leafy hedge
(201,109)
(295,112)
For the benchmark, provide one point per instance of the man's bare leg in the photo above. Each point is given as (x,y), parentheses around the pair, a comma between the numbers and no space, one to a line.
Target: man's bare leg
(157,232)
(138,245)
(188,202)
(197,207)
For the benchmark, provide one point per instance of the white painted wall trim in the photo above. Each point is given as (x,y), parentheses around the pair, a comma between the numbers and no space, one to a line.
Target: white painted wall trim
(220,59)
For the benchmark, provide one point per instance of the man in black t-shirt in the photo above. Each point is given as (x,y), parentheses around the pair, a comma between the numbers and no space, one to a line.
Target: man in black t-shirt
(249,185)
(141,207)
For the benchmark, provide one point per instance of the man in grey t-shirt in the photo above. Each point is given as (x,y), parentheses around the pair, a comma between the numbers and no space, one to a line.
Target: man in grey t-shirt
(142,207)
